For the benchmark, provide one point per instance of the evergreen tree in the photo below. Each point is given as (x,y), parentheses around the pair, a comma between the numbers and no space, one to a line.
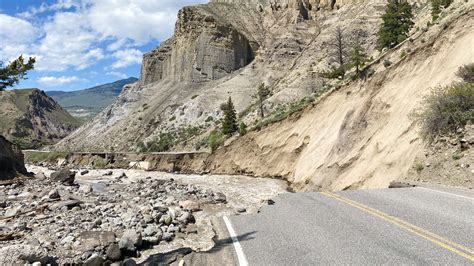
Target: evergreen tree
(229,122)
(396,23)
(14,72)
(263,92)
(358,57)
(242,129)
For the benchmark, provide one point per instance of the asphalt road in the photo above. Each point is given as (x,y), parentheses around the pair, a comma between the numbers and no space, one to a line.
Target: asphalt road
(390,226)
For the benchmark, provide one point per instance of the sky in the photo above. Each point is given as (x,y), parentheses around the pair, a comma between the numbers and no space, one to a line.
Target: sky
(84,43)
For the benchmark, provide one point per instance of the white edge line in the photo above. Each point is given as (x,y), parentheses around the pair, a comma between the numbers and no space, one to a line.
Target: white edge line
(235,241)
(442,192)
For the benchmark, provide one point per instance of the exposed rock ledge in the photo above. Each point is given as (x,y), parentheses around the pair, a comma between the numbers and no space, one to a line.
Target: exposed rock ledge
(11,160)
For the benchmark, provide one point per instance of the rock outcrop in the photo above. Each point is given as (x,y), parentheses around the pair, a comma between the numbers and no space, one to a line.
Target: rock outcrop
(31,119)
(11,160)
(203,48)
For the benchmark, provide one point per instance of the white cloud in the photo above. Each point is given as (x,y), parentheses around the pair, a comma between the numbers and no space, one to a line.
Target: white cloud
(15,36)
(79,33)
(57,81)
(127,57)
(137,20)
(116,74)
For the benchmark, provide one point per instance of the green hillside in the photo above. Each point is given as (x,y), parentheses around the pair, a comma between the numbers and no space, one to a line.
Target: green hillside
(31,119)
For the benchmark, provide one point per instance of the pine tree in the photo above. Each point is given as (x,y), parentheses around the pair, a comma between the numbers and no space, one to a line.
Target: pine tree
(358,57)
(229,122)
(14,72)
(263,92)
(396,24)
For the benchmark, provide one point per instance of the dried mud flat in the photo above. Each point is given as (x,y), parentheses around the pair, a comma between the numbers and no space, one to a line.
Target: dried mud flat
(116,216)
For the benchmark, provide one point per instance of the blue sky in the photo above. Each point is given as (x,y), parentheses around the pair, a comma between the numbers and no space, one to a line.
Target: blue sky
(84,43)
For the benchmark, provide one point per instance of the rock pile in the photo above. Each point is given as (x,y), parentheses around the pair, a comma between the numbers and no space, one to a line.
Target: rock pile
(59,220)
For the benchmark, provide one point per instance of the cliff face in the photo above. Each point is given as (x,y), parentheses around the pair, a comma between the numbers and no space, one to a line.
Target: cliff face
(11,160)
(32,119)
(202,49)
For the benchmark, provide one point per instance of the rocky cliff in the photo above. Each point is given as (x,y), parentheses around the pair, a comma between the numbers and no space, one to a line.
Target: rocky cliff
(11,160)
(31,119)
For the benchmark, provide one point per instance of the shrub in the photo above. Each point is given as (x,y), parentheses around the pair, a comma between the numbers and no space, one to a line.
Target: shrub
(457,156)
(242,129)
(164,143)
(100,163)
(446,109)
(403,54)
(335,73)
(387,63)
(466,73)
(216,138)
(194,97)
(419,167)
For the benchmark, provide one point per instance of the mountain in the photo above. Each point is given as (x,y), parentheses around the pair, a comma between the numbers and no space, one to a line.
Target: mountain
(31,119)
(318,133)
(85,104)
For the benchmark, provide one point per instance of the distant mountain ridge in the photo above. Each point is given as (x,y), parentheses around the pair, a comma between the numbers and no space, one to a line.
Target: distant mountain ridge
(86,103)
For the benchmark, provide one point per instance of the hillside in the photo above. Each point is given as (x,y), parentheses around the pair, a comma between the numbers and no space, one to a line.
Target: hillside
(31,119)
(87,103)
(351,134)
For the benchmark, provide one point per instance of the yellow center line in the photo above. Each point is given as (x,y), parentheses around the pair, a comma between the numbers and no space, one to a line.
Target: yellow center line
(458,246)
(438,240)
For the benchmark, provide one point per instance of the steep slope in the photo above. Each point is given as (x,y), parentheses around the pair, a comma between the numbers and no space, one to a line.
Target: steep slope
(87,103)
(31,119)
(360,136)
(222,49)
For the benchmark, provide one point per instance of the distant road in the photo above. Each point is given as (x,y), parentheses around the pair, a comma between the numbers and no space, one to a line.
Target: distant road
(365,227)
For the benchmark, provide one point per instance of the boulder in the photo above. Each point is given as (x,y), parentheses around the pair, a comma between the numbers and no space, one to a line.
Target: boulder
(94,260)
(21,253)
(190,205)
(64,176)
(11,160)
(113,252)
(130,240)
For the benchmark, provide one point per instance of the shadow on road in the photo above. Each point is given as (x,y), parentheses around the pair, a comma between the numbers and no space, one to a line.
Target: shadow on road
(222,243)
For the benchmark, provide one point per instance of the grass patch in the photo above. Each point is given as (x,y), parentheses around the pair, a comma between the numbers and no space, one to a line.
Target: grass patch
(37,157)
(167,140)
(283,112)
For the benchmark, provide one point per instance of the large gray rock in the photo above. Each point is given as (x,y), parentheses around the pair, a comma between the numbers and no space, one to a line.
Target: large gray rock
(11,160)
(19,254)
(65,176)
(113,252)
(130,240)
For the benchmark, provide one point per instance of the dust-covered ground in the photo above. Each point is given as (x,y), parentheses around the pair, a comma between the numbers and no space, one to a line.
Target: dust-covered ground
(98,216)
